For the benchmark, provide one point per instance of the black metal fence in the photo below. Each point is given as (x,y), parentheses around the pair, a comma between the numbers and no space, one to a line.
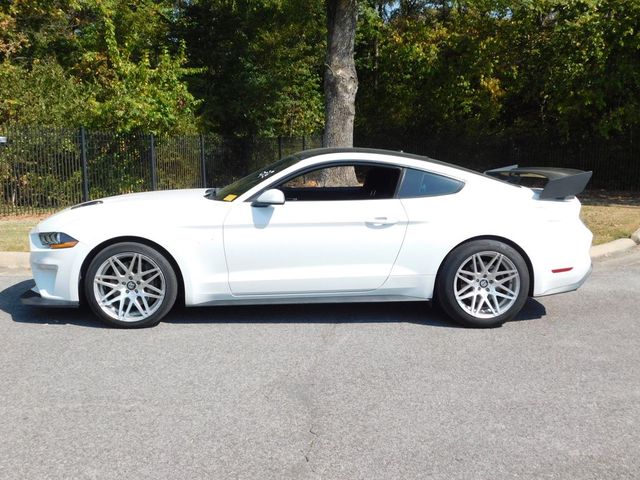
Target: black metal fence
(615,162)
(44,169)
(48,169)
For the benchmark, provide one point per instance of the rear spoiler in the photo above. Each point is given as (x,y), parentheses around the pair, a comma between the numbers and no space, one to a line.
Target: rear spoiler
(561,182)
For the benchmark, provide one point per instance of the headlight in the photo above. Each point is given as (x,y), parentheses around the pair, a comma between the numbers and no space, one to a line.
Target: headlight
(57,240)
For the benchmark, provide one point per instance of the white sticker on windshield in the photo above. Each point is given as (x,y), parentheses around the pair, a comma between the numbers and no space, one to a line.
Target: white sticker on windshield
(266,173)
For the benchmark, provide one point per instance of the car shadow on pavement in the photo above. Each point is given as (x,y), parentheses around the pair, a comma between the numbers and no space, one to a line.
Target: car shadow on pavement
(10,303)
(422,313)
(393,312)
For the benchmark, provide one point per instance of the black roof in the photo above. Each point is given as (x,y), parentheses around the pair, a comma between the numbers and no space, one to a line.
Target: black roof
(303,155)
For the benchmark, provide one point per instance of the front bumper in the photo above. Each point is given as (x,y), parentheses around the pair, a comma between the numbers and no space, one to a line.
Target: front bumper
(57,272)
(34,299)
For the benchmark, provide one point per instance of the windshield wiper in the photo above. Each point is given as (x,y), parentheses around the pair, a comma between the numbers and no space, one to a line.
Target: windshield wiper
(211,193)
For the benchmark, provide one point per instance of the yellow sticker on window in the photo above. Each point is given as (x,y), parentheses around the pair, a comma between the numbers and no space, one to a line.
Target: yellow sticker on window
(229,198)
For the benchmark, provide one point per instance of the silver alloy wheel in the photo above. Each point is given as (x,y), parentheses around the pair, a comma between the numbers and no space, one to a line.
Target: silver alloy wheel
(129,287)
(487,284)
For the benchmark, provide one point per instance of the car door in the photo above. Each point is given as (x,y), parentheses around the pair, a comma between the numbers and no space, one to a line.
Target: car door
(323,239)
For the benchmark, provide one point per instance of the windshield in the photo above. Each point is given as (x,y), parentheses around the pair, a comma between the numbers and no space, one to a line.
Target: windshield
(237,188)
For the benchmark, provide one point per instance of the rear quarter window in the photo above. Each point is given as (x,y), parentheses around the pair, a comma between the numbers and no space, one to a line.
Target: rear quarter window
(417,183)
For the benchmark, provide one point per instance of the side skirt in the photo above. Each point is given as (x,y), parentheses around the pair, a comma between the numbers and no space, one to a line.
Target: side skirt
(310,300)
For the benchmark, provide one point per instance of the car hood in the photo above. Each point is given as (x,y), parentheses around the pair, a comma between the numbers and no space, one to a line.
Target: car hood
(169,208)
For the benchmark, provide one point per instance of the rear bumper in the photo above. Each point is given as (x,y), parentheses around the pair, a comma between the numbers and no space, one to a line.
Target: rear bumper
(561,260)
(568,288)
(34,299)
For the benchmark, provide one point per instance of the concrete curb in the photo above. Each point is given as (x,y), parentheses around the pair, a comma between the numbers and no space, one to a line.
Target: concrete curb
(14,261)
(19,261)
(606,249)
(619,245)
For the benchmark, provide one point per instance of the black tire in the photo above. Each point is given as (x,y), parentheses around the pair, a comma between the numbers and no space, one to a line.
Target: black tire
(494,308)
(129,289)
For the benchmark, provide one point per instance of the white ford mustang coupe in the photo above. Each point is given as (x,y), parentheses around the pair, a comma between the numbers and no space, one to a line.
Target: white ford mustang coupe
(326,225)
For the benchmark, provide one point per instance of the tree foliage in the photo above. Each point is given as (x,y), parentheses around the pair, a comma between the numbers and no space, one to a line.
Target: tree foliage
(102,63)
(262,62)
(554,69)
(561,69)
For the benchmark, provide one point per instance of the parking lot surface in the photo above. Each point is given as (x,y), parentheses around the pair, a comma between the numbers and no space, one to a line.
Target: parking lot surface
(371,391)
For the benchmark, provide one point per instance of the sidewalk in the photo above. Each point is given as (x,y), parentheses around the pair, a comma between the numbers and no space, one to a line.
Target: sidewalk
(18,262)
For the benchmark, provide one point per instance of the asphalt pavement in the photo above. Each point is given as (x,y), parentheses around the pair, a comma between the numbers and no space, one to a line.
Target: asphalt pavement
(362,391)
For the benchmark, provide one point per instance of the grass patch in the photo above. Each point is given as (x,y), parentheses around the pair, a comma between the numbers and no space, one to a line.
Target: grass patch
(610,222)
(14,232)
(607,222)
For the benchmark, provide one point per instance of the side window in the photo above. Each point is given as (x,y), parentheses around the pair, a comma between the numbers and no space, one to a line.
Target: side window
(331,177)
(417,183)
(344,182)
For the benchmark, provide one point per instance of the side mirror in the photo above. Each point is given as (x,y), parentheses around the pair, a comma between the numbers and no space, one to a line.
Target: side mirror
(272,196)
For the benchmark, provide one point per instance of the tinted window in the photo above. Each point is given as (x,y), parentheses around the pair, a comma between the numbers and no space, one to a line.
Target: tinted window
(345,182)
(417,183)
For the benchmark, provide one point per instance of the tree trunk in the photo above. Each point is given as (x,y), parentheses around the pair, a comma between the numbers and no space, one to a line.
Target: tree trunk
(340,78)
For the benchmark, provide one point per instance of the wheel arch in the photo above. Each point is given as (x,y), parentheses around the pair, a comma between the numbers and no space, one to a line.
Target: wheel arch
(145,241)
(498,238)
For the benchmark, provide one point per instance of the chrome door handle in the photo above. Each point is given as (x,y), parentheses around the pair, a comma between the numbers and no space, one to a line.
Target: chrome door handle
(381,221)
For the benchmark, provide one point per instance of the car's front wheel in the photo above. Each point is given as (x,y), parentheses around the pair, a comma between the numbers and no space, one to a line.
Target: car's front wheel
(483,283)
(130,285)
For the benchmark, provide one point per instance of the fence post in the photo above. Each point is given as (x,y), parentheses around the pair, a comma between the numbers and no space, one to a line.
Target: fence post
(154,167)
(85,166)
(304,143)
(203,165)
(279,147)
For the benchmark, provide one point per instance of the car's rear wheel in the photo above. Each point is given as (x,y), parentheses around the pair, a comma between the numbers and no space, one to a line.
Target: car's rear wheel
(483,283)
(130,285)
